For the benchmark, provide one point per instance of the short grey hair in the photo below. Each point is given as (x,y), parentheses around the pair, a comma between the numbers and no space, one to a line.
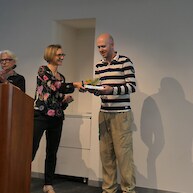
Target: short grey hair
(9,53)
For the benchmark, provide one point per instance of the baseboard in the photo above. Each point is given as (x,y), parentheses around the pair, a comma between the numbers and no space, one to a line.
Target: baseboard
(97,183)
(94,183)
(37,175)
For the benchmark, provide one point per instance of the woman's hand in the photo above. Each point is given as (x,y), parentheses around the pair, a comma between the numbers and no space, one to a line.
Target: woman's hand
(79,86)
(3,79)
(68,99)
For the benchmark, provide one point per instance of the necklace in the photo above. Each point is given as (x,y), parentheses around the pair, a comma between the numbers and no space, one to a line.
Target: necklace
(55,73)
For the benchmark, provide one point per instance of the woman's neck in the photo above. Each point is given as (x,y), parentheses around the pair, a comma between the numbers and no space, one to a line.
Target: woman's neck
(53,68)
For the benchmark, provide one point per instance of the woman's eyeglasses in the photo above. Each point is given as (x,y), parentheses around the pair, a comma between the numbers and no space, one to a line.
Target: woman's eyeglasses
(61,55)
(6,60)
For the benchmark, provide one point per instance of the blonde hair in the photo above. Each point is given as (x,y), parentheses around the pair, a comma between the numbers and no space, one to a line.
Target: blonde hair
(50,52)
(9,53)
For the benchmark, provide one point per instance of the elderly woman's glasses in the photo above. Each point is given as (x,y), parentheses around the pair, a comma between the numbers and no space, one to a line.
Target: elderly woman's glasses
(6,60)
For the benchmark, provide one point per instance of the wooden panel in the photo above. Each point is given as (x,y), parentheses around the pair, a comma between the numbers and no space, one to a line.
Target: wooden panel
(16,126)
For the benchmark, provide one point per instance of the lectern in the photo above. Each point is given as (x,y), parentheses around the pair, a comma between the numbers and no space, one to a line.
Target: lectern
(16,131)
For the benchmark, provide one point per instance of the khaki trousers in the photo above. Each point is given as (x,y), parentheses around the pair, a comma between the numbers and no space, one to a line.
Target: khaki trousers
(116,150)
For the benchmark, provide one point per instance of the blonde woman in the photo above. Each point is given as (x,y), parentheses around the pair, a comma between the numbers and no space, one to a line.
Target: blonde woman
(50,101)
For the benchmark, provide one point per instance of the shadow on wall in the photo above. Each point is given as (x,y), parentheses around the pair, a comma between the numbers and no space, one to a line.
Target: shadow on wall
(166,129)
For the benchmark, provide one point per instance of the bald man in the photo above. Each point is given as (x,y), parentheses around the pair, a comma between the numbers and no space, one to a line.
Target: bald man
(117,77)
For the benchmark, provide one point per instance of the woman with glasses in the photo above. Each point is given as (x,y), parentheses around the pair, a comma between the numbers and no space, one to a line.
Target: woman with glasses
(8,74)
(50,101)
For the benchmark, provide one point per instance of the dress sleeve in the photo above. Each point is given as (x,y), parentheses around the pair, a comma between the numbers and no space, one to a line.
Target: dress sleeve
(67,88)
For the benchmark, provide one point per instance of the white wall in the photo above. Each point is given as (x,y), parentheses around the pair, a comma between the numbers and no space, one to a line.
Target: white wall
(157,36)
(78,45)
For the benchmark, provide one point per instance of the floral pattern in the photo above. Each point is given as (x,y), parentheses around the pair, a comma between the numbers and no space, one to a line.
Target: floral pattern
(49,93)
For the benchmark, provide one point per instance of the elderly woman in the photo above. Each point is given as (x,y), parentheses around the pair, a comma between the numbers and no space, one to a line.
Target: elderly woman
(8,74)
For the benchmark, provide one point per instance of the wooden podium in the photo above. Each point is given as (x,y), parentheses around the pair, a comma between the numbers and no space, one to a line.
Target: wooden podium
(16,135)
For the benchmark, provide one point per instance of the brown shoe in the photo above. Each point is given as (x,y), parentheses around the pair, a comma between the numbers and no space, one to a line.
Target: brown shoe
(48,189)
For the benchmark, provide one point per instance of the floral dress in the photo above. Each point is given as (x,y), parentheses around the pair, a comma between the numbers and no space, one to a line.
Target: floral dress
(50,93)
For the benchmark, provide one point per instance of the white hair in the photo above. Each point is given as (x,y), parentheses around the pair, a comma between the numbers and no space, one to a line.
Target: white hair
(9,53)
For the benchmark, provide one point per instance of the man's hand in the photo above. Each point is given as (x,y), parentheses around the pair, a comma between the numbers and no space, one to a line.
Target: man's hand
(106,90)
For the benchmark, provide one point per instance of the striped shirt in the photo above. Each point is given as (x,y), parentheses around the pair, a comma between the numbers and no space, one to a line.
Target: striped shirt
(120,74)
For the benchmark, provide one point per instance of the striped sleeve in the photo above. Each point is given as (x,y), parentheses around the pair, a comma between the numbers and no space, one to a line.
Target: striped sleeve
(129,85)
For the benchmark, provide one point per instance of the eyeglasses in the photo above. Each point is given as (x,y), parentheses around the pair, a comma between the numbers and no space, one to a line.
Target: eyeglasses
(6,60)
(61,55)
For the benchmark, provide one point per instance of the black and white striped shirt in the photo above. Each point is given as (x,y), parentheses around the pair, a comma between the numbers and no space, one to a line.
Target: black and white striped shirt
(120,74)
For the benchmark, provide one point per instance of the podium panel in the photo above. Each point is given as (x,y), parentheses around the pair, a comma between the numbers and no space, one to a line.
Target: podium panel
(16,135)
